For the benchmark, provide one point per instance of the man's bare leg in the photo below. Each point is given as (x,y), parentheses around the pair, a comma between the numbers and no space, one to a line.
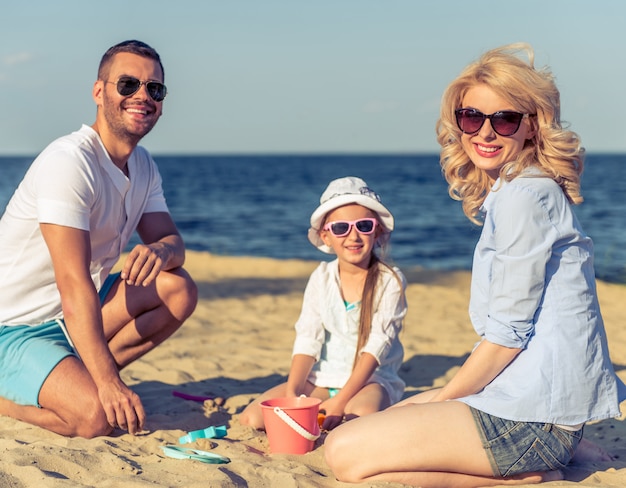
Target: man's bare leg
(69,403)
(137,319)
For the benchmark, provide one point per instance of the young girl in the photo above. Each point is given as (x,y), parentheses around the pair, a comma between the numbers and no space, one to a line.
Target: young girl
(347,351)
(514,412)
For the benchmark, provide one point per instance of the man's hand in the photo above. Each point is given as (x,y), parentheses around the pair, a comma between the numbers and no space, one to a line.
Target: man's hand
(123,407)
(145,262)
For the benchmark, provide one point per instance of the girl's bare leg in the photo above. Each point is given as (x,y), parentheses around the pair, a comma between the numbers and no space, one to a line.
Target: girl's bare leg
(252,415)
(370,399)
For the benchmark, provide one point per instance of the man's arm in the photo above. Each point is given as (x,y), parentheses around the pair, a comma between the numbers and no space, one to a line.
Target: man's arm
(162,249)
(70,251)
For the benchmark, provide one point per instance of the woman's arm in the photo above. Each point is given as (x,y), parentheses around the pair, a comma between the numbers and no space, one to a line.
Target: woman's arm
(486,362)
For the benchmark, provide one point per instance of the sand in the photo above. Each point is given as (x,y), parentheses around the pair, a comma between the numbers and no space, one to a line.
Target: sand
(236,345)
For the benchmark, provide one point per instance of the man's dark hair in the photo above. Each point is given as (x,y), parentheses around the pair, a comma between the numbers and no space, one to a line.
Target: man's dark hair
(133,47)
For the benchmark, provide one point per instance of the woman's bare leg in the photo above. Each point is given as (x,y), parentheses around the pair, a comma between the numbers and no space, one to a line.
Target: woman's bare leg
(590,452)
(422,397)
(431,444)
(457,480)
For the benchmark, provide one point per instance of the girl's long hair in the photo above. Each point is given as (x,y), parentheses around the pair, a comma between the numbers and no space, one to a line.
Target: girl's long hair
(554,150)
(368,299)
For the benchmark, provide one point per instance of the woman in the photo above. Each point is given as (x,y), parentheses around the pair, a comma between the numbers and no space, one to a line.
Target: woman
(514,413)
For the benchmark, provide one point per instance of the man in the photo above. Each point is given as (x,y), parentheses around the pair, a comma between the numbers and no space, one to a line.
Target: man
(66,326)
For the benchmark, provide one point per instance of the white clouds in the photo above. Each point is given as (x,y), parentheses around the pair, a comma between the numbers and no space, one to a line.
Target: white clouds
(17,58)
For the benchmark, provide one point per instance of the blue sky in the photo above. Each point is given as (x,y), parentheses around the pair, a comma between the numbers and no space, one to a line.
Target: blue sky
(290,76)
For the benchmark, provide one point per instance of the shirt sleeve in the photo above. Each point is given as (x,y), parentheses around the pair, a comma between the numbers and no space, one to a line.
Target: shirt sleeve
(310,333)
(65,189)
(156,198)
(523,238)
(388,315)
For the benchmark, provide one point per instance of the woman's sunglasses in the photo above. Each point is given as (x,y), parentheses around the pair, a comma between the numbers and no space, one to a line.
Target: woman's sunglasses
(505,123)
(341,228)
(129,85)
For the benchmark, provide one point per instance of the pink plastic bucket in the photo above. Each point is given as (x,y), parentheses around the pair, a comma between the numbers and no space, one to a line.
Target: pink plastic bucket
(291,424)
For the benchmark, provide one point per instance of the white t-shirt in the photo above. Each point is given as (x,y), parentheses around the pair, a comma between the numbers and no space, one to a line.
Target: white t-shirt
(72,183)
(328,330)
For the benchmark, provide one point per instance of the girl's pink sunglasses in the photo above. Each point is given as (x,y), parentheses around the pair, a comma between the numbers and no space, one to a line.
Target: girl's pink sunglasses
(340,228)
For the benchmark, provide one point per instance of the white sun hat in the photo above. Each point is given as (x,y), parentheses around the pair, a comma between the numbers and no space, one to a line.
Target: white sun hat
(344,191)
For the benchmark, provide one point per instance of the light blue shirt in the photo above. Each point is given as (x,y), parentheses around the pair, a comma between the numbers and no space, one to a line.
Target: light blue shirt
(533,288)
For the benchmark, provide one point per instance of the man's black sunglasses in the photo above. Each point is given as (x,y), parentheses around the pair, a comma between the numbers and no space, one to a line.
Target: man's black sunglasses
(129,85)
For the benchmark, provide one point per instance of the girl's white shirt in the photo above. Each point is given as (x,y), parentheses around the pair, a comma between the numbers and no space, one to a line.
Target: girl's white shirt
(327,331)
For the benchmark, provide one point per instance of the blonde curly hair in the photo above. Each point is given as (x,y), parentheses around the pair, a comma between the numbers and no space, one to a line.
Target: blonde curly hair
(554,150)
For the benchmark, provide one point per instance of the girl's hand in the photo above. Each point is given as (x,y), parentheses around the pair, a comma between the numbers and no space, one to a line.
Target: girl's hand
(334,413)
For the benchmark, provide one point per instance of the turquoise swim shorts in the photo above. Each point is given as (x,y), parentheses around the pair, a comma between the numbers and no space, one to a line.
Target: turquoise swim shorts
(333,391)
(28,354)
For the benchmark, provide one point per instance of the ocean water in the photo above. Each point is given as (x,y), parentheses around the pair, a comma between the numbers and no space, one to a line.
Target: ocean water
(259,205)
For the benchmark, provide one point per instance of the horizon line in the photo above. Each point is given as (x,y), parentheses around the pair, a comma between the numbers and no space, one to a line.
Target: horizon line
(294,153)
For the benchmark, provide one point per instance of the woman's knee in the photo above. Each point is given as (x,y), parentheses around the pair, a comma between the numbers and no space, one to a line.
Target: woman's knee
(337,449)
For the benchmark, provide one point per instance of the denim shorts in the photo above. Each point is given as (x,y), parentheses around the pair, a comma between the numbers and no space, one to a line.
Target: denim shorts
(523,447)
(29,353)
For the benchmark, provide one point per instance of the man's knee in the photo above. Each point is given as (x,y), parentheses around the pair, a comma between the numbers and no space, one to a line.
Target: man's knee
(94,425)
(179,292)
(89,420)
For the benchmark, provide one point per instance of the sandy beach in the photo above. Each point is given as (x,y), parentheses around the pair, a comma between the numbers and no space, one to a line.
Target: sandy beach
(236,345)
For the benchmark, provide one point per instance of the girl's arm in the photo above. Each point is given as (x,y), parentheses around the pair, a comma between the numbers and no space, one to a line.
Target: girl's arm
(386,325)
(301,365)
(486,362)
(310,332)
(388,315)
(365,366)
